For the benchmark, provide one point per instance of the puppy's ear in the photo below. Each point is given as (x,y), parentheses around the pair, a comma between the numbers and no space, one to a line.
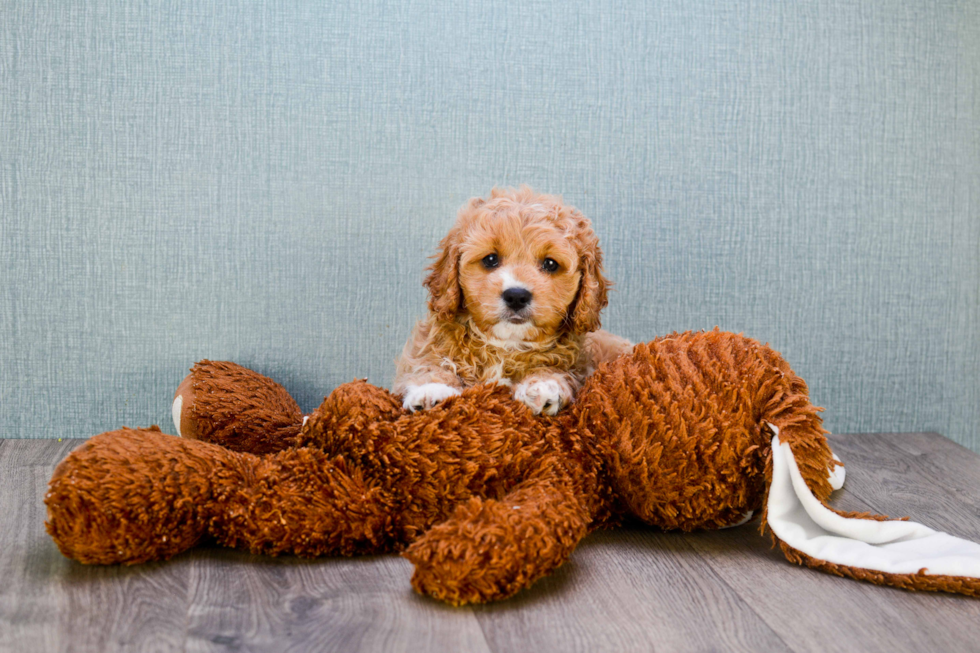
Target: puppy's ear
(593,287)
(445,293)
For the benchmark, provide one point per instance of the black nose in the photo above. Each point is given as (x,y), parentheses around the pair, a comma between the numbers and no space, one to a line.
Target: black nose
(516,298)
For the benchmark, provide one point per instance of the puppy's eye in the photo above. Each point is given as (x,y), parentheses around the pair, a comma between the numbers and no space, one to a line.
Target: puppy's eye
(549,265)
(490,261)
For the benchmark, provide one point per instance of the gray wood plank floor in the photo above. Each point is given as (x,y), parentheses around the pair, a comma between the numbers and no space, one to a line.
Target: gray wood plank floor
(633,589)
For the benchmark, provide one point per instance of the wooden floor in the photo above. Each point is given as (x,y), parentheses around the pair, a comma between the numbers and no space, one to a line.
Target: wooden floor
(626,590)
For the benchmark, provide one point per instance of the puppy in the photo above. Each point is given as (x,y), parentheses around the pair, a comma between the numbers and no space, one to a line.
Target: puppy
(515,295)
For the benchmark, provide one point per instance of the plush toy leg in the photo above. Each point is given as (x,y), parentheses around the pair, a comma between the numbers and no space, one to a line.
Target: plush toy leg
(490,549)
(887,552)
(308,503)
(131,496)
(237,408)
(134,495)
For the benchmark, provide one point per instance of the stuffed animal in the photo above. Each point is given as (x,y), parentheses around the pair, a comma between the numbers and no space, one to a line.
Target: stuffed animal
(689,431)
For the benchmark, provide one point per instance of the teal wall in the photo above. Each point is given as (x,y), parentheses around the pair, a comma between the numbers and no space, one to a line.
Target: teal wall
(263,182)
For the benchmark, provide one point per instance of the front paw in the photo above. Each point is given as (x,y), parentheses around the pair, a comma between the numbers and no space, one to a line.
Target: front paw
(543,396)
(423,397)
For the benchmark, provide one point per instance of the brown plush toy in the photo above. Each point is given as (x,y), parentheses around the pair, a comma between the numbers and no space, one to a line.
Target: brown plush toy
(693,430)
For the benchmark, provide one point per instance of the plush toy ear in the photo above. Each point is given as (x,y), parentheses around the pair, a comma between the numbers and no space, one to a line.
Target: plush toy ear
(445,293)
(593,287)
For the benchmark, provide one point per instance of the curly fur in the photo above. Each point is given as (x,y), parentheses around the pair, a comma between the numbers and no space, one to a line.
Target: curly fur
(467,339)
(480,495)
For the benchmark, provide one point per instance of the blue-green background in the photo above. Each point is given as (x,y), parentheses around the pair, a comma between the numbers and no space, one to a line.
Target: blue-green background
(263,182)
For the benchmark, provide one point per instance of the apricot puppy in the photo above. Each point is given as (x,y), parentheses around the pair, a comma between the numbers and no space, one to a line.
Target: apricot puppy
(515,295)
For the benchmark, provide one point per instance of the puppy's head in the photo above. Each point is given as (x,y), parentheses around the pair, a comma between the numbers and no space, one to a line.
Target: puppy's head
(523,265)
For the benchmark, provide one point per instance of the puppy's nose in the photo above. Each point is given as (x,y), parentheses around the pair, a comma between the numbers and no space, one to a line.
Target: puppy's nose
(516,298)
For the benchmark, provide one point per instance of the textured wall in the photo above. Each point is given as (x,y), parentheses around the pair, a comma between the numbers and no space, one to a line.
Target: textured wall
(263,183)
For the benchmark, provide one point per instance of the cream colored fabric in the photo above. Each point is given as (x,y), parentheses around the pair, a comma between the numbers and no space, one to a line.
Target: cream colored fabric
(899,547)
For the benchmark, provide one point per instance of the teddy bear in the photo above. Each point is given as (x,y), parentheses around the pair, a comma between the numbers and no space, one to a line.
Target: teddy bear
(689,431)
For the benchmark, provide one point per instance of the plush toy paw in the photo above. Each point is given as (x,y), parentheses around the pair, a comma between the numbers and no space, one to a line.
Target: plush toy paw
(543,396)
(423,397)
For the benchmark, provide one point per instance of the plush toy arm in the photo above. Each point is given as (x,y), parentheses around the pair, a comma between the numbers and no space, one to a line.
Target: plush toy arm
(242,410)
(227,404)
(490,549)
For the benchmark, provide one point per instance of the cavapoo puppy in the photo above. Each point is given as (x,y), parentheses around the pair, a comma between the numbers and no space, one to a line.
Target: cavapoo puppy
(515,295)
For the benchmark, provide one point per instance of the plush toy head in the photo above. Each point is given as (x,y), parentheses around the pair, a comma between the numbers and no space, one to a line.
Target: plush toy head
(694,430)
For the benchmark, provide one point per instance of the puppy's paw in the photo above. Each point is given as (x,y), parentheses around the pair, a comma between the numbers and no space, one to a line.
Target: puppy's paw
(427,395)
(543,396)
